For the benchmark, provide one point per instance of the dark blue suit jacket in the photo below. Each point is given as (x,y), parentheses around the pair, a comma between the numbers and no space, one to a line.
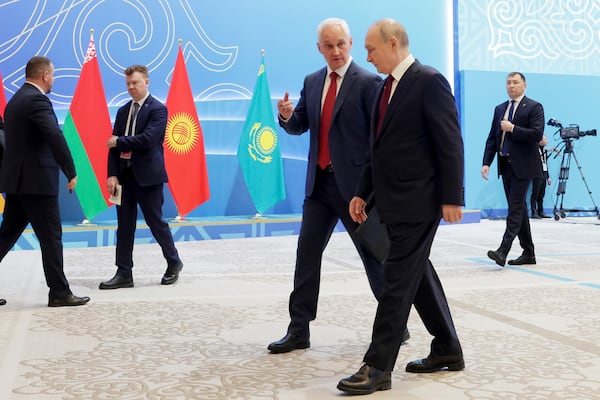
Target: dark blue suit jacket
(36,149)
(524,140)
(147,157)
(417,161)
(349,130)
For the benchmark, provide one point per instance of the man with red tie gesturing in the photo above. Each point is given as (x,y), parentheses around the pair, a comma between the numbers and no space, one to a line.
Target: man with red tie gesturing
(517,128)
(416,173)
(335,105)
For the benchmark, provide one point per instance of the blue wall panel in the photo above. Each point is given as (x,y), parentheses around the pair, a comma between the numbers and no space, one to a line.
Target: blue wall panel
(572,99)
(221,43)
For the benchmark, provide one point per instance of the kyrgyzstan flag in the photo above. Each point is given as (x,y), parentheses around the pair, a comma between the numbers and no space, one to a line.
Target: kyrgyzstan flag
(184,154)
(87,128)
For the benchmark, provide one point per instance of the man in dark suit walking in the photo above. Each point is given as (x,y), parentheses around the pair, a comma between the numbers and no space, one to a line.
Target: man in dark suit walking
(36,151)
(416,173)
(136,164)
(334,105)
(517,128)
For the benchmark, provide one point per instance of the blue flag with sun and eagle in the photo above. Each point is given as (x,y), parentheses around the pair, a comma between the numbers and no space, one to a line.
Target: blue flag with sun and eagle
(259,150)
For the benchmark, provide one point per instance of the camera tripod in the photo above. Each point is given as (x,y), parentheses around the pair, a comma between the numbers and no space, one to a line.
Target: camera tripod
(563,175)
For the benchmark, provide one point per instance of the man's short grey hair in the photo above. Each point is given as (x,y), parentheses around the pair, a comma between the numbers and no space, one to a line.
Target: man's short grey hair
(333,22)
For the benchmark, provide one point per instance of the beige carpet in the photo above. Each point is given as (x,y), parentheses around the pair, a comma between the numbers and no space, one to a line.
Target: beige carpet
(528,333)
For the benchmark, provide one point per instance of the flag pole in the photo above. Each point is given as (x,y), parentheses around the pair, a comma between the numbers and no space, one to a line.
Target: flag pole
(85,221)
(259,215)
(178,219)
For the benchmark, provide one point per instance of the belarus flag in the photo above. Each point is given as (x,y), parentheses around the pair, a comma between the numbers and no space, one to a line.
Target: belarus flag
(185,159)
(87,128)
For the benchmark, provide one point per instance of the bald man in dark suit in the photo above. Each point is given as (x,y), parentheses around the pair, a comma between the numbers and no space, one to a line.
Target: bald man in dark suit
(416,173)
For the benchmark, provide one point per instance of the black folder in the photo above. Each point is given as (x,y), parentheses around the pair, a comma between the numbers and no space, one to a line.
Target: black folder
(372,234)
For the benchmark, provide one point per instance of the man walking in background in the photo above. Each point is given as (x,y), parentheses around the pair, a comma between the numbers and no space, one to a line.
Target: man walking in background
(515,134)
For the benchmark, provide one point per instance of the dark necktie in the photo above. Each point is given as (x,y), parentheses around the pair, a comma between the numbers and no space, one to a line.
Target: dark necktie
(326,115)
(504,141)
(384,101)
(134,113)
(136,107)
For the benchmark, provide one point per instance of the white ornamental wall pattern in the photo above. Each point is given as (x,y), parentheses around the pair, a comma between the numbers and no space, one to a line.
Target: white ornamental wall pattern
(125,32)
(549,29)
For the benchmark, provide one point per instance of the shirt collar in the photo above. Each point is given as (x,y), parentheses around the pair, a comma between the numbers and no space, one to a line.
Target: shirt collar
(401,68)
(341,71)
(38,88)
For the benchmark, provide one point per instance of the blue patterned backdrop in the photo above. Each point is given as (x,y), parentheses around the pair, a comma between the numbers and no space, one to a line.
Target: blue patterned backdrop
(222,41)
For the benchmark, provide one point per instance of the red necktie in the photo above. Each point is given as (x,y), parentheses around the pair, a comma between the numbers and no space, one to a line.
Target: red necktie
(384,101)
(326,114)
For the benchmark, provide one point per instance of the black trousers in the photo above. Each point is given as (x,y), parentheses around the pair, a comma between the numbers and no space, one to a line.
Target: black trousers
(44,215)
(409,279)
(321,212)
(538,191)
(150,200)
(517,220)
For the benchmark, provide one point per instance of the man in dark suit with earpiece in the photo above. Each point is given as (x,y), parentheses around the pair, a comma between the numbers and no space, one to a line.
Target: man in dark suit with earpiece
(517,128)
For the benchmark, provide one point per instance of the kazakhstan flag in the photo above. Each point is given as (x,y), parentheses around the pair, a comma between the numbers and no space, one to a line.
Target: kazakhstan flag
(259,151)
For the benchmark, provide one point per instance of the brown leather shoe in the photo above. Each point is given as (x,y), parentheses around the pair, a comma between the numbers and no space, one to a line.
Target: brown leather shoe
(366,380)
(436,363)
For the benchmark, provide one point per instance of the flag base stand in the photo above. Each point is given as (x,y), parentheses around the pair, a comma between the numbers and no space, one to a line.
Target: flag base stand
(86,222)
(178,219)
(257,216)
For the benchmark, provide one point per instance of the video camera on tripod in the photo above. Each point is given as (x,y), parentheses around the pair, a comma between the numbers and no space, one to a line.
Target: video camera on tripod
(572,131)
(567,134)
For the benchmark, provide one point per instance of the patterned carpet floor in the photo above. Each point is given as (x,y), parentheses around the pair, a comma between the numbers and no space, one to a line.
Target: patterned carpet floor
(528,332)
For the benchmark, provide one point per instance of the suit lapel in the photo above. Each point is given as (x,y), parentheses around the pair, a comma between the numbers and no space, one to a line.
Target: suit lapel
(345,89)
(403,87)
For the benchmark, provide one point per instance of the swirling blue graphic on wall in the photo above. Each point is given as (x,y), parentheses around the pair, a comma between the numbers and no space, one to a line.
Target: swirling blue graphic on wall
(127,32)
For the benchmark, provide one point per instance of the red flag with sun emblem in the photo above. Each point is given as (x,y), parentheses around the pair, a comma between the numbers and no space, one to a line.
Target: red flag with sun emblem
(184,144)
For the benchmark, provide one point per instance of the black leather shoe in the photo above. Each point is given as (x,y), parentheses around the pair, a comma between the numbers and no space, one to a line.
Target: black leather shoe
(171,274)
(406,336)
(497,256)
(542,215)
(69,301)
(522,259)
(2,302)
(535,216)
(436,363)
(367,380)
(116,282)
(289,343)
